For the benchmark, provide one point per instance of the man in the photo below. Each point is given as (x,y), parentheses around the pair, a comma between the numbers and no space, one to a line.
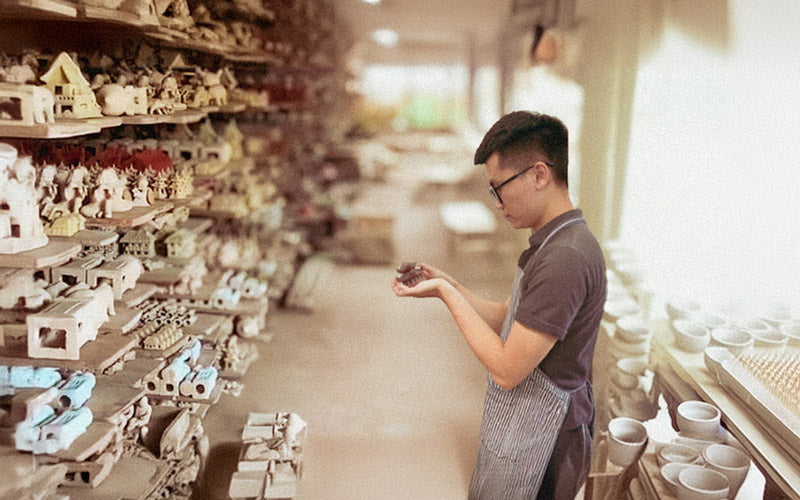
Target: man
(537,347)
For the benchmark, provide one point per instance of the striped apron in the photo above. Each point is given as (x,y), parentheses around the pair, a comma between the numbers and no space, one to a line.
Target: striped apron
(520,426)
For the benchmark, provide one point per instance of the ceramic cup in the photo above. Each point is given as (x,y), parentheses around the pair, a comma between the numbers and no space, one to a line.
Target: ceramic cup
(735,340)
(680,308)
(632,329)
(792,331)
(699,483)
(713,356)
(698,419)
(711,319)
(626,439)
(730,462)
(690,335)
(669,473)
(629,370)
(678,453)
(769,339)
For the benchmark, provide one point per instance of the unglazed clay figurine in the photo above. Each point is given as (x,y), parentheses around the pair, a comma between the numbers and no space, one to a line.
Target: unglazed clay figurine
(25,104)
(74,97)
(20,226)
(410,273)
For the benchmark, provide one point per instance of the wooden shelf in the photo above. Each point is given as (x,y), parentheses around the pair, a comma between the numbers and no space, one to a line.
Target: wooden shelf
(57,252)
(671,363)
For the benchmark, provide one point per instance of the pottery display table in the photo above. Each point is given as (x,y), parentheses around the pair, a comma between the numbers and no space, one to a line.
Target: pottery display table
(682,375)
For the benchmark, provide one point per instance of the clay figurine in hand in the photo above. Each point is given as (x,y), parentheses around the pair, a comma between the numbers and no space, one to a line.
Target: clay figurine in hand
(410,273)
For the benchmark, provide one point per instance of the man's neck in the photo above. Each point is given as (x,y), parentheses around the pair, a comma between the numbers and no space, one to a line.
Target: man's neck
(560,205)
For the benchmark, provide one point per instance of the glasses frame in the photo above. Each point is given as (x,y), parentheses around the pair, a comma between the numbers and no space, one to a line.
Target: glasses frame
(495,190)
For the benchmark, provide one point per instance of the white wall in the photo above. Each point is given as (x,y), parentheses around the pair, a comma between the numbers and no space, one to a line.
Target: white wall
(712,193)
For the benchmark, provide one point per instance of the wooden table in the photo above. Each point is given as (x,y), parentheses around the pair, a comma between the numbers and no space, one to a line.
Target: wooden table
(684,376)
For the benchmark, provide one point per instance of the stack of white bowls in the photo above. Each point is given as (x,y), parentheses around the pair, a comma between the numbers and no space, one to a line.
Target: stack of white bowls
(704,461)
(631,377)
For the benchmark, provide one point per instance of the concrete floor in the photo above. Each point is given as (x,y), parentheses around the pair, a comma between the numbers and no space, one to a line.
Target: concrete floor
(391,393)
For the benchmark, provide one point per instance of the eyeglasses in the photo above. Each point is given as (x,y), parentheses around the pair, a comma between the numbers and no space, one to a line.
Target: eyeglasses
(495,190)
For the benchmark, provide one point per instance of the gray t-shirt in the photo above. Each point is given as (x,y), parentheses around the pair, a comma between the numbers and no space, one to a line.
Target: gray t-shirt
(563,291)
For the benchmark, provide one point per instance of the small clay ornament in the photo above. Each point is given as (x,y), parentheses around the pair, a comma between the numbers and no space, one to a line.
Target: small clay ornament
(410,273)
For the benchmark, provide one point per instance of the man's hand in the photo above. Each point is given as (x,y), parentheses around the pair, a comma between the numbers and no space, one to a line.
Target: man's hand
(433,287)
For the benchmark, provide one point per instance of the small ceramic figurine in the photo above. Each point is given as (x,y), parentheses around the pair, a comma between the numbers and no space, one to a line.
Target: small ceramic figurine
(410,273)
(21,228)
(74,97)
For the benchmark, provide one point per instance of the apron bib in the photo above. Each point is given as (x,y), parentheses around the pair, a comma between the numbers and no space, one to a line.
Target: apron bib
(520,426)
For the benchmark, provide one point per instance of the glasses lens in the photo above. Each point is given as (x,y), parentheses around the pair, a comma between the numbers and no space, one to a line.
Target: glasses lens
(495,194)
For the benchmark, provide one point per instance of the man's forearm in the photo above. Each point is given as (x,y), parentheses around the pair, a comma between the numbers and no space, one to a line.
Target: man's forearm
(492,313)
(479,334)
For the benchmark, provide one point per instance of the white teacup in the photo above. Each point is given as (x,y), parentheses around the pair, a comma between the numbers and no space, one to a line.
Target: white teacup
(699,483)
(626,439)
(732,463)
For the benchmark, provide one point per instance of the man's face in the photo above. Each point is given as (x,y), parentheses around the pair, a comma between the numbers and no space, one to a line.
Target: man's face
(517,195)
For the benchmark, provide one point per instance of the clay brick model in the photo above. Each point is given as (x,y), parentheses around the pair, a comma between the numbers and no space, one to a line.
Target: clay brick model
(410,273)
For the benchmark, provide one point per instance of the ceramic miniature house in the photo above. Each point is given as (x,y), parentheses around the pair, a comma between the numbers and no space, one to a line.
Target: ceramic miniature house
(181,244)
(60,330)
(25,104)
(73,94)
(121,273)
(20,226)
(139,243)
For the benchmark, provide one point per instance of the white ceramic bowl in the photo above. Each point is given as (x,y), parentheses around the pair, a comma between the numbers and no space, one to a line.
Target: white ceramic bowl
(737,341)
(632,329)
(713,356)
(730,462)
(792,331)
(690,335)
(769,339)
(678,453)
(711,320)
(698,419)
(777,315)
(626,439)
(630,369)
(755,326)
(680,308)
(669,473)
(613,310)
(699,483)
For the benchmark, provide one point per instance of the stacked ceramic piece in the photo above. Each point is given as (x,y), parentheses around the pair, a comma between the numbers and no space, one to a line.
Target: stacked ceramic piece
(721,336)
(629,390)
(704,460)
(628,347)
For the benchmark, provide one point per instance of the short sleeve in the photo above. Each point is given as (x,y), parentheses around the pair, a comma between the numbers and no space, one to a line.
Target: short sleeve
(554,287)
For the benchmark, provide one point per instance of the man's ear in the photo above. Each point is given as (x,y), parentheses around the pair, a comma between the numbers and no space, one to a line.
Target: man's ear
(543,173)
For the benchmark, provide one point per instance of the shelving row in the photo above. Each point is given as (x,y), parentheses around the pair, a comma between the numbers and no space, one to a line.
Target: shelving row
(145,250)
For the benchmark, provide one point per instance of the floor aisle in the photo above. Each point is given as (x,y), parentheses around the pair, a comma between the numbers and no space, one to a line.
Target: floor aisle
(389,389)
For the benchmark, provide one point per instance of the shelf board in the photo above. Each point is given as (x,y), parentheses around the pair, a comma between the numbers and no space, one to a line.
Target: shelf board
(42,9)
(55,253)
(133,217)
(60,129)
(95,355)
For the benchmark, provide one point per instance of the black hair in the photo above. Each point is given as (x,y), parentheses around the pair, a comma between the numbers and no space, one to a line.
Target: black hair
(520,134)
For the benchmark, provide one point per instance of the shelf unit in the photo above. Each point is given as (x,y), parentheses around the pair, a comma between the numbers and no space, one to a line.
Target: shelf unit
(303,79)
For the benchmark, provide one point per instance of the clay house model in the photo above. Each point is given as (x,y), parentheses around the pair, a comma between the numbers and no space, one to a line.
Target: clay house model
(139,243)
(180,244)
(73,94)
